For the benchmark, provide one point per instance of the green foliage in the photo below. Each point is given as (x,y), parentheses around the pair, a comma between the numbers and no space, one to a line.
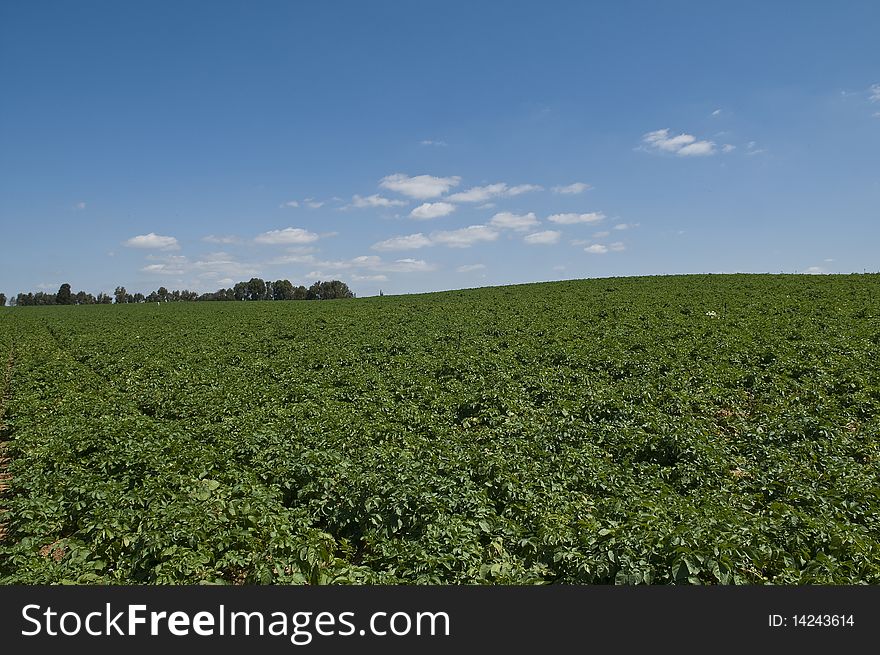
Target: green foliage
(675,430)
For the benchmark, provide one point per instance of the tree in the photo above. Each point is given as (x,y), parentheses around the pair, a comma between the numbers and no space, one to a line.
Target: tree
(163,294)
(2,299)
(330,290)
(240,291)
(256,289)
(282,290)
(121,295)
(104,299)
(64,297)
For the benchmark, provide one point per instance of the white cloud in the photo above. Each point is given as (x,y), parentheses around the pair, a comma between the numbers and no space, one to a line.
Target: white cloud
(813,270)
(698,149)
(294,259)
(683,145)
(570,189)
(717,112)
(468,268)
(221,239)
(220,265)
(375,200)
(287,236)
(596,249)
(489,191)
(517,222)
(289,203)
(523,188)
(727,148)
(465,237)
(80,205)
(432,142)
(153,241)
(420,187)
(372,263)
(430,210)
(408,265)
(617,246)
(625,226)
(212,270)
(156,268)
(314,204)
(547,237)
(409,242)
(753,148)
(369,278)
(479,193)
(570,219)
(596,235)
(874,92)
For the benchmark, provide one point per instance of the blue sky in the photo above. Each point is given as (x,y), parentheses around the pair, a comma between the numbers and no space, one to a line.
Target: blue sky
(417,146)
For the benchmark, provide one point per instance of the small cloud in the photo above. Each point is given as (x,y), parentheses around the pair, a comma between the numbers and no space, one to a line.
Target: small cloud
(625,226)
(559,267)
(489,191)
(431,210)
(369,278)
(287,236)
(545,238)
(717,112)
(617,246)
(479,193)
(154,268)
(80,205)
(465,237)
(828,260)
(375,200)
(420,187)
(225,239)
(432,142)
(753,149)
(409,242)
(468,268)
(727,148)
(571,189)
(314,204)
(523,188)
(570,219)
(153,241)
(289,203)
(874,93)
(516,222)
(813,270)
(598,235)
(683,145)
(596,249)
(408,265)
(226,282)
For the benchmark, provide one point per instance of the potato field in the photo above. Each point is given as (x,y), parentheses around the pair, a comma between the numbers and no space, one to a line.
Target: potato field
(686,429)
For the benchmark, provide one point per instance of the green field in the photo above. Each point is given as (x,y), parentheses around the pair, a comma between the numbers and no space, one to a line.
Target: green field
(692,429)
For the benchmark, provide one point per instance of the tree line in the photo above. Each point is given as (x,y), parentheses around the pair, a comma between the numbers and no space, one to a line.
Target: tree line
(254,289)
